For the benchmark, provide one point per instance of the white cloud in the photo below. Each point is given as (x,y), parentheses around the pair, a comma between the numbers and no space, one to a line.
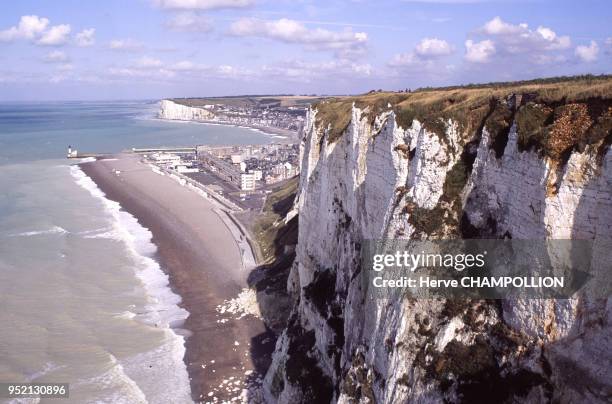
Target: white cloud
(128,45)
(85,37)
(498,27)
(293,71)
(297,70)
(404,59)
(346,43)
(183,65)
(424,54)
(519,38)
(55,36)
(433,48)
(29,26)
(38,31)
(588,53)
(202,4)
(56,57)
(479,52)
(136,73)
(148,62)
(191,22)
(181,71)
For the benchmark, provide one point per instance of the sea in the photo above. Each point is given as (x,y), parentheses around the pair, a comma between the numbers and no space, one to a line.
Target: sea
(82,299)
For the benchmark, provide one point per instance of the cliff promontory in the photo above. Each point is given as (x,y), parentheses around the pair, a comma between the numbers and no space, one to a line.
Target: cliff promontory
(169,109)
(528,161)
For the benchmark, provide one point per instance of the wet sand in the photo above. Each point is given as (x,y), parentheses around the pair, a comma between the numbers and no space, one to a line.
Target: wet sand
(203,261)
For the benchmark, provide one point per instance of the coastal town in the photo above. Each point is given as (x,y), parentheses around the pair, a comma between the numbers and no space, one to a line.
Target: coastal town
(275,114)
(240,174)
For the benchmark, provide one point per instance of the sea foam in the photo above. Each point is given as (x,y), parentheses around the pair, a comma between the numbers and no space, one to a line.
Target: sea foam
(162,310)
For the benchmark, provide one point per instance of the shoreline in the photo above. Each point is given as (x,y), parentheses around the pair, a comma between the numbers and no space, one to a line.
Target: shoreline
(201,257)
(287,135)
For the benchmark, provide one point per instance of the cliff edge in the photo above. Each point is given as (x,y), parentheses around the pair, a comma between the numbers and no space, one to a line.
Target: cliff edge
(169,109)
(528,161)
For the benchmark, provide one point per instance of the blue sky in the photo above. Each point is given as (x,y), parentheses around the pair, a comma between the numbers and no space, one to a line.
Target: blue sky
(137,49)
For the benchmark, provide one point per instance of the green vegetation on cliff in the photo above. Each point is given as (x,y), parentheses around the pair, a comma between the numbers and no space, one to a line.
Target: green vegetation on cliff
(270,232)
(492,106)
(552,117)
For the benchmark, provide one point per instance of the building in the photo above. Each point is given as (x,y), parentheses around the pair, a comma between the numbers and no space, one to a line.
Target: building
(258,174)
(165,158)
(247,182)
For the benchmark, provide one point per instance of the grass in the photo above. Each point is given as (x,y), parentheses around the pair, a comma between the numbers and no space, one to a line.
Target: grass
(553,117)
(468,106)
(334,116)
(245,101)
(270,233)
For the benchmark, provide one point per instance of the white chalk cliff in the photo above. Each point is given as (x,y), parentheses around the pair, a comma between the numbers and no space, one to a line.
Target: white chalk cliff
(169,109)
(369,182)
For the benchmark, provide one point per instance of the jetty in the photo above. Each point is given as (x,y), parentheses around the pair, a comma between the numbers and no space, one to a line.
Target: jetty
(75,154)
(191,149)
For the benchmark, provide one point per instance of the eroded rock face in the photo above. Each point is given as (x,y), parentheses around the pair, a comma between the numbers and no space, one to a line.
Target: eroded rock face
(171,110)
(381,180)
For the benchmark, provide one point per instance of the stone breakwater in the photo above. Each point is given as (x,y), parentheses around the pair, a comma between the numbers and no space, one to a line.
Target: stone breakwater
(385,176)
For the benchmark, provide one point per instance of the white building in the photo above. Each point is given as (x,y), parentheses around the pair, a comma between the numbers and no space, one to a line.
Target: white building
(165,158)
(247,182)
(236,158)
(258,174)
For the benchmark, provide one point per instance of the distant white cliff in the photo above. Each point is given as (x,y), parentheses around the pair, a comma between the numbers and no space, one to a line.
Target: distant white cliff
(171,110)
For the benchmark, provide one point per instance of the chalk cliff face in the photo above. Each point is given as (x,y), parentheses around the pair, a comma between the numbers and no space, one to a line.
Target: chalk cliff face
(509,164)
(172,110)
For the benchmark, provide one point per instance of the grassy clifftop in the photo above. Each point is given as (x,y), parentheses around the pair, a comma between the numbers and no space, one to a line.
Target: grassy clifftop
(250,101)
(552,114)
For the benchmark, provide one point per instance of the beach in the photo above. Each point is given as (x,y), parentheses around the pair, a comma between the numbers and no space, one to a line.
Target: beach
(225,352)
(281,135)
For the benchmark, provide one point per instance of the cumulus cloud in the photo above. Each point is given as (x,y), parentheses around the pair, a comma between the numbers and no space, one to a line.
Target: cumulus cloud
(424,54)
(190,22)
(56,57)
(127,45)
(38,31)
(201,4)
(519,38)
(588,53)
(55,36)
(346,43)
(433,48)
(85,37)
(498,27)
(479,52)
(29,27)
